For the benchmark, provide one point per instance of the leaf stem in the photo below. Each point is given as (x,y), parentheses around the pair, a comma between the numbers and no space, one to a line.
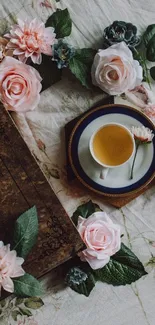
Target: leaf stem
(137,146)
(141,58)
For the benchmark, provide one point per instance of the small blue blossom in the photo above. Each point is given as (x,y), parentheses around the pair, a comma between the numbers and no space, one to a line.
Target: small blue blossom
(62,54)
(76,276)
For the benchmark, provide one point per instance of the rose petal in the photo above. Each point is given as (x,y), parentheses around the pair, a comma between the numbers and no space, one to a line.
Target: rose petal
(8,284)
(94,262)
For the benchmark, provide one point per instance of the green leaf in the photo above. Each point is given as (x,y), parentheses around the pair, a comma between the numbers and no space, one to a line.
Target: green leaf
(80,65)
(152,72)
(150,53)
(61,22)
(25,311)
(27,285)
(25,232)
(85,210)
(149,34)
(123,268)
(14,314)
(149,40)
(19,301)
(34,302)
(80,281)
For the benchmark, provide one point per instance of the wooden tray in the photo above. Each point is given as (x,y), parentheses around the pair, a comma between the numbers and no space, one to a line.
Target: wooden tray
(22,185)
(117,202)
(121,201)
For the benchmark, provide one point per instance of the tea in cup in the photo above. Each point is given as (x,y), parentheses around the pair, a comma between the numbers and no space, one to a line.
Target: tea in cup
(111,146)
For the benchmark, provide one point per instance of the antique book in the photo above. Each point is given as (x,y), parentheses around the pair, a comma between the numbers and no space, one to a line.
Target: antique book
(23,185)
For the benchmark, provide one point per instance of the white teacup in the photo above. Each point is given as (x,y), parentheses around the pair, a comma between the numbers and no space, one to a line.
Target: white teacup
(112,143)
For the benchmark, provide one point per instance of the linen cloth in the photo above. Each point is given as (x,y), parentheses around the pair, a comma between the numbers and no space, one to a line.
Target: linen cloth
(43,131)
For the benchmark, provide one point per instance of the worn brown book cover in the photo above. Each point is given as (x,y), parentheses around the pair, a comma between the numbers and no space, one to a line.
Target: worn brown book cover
(23,185)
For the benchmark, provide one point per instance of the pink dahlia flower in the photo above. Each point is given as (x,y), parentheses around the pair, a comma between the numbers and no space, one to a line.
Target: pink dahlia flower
(10,267)
(30,39)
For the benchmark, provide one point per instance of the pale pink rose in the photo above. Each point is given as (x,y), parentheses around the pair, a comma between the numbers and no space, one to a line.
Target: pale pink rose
(30,39)
(144,98)
(115,71)
(20,85)
(10,267)
(27,321)
(102,238)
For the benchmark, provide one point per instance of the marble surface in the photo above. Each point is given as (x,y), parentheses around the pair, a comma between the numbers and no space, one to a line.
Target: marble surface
(124,305)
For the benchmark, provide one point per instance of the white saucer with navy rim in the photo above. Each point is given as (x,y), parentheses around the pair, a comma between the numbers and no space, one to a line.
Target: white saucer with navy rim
(117,182)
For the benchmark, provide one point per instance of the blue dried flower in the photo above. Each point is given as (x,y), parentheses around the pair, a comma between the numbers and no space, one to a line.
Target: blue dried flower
(76,276)
(62,54)
(120,31)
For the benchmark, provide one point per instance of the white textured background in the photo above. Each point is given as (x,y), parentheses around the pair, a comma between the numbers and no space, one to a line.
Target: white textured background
(129,305)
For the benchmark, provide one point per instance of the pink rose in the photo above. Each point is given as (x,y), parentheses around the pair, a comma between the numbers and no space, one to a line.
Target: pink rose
(10,267)
(115,71)
(102,238)
(20,85)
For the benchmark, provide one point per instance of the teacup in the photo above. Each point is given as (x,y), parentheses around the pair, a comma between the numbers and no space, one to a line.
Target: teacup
(111,146)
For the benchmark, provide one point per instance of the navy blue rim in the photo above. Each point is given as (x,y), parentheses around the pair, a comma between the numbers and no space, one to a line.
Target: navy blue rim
(75,137)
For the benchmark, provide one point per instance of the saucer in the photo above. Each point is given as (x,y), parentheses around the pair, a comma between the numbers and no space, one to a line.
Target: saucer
(117,182)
